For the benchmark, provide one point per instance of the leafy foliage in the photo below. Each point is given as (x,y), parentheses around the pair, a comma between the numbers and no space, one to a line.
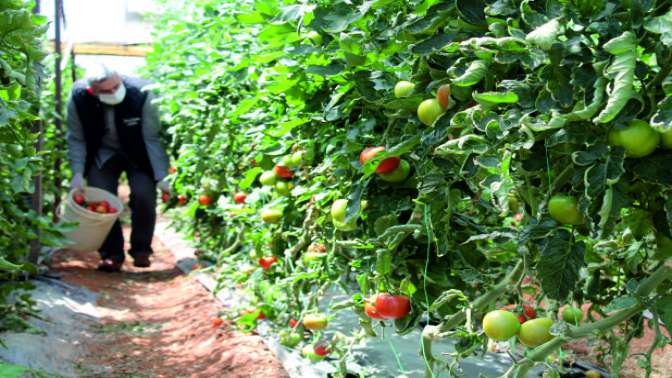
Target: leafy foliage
(536,88)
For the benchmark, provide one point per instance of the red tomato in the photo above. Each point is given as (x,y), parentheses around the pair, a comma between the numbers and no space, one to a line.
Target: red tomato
(528,312)
(371,311)
(181,199)
(392,306)
(112,210)
(321,350)
(172,170)
(266,262)
(79,199)
(205,200)
(293,323)
(282,171)
(386,166)
(240,197)
(217,322)
(165,197)
(91,207)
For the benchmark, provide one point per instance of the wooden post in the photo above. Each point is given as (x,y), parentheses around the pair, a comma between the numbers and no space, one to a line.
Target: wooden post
(37,180)
(58,101)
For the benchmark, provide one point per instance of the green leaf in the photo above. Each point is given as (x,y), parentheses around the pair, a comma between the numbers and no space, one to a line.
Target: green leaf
(559,263)
(12,371)
(496,97)
(622,71)
(545,35)
(473,75)
(662,119)
(664,308)
(620,303)
(661,25)
(249,177)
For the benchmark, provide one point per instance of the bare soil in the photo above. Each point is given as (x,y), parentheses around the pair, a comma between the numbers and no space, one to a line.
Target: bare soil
(157,323)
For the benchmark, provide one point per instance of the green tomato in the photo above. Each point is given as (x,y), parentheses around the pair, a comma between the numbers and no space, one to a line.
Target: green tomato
(398,175)
(288,162)
(312,257)
(315,322)
(535,332)
(666,139)
(290,339)
(500,325)
(403,89)
(572,315)
(429,111)
(297,158)
(271,216)
(284,188)
(564,209)
(638,139)
(268,178)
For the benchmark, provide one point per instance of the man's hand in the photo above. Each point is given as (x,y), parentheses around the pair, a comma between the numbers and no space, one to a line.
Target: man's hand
(164,186)
(77,182)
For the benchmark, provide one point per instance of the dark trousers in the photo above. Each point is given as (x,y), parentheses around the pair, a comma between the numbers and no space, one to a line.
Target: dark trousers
(142,204)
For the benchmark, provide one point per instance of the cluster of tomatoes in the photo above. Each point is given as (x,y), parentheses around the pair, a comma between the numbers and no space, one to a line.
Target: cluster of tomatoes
(512,320)
(100,207)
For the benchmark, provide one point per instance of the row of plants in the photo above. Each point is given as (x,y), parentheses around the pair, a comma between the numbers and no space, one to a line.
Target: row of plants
(464,166)
(21,75)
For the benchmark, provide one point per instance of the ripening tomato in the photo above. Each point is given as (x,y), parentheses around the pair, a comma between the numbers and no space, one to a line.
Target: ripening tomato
(398,175)
(112,210)
(172,170)
(592,374)
(102,209)
(165,197)
(638,138)
(283,172)
(403,89)
(309,353)
(240,197)
(385,166)
(315,322)
(535,332)
(443,96)
(572,315)
(293,323)
(528,312)
(266,262)
(392,306)
(181,199)
(321,350)
(429,111)
(500,325)
(205,200)
(564,209)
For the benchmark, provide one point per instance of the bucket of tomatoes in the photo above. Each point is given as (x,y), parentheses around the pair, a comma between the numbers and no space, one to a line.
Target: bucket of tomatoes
(94,211)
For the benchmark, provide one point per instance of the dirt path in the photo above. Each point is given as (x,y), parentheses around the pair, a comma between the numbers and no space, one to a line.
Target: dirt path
(157,323)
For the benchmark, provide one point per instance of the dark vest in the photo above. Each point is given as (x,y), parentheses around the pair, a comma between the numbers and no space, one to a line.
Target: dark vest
(127,119)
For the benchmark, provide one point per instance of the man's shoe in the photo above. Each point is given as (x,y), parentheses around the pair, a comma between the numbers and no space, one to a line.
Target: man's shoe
(110,266)
(142,261)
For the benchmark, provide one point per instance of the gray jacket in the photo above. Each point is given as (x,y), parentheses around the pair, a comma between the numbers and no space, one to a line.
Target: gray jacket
(151,128)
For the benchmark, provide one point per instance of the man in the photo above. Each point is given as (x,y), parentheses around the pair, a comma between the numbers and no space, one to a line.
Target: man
(113,127)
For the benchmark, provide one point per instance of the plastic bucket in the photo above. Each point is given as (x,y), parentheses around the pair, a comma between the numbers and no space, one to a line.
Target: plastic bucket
(93,227)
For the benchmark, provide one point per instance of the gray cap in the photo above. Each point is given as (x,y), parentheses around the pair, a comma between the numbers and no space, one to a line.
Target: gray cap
(99,72)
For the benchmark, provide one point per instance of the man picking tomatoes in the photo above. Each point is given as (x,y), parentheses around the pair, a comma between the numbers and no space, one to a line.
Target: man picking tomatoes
(113,128)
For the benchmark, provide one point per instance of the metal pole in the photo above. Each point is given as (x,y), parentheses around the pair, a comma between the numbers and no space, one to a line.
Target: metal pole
(58,123)
(37,180)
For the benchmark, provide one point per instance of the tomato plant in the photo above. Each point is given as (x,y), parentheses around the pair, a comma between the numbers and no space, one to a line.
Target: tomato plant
(536,90)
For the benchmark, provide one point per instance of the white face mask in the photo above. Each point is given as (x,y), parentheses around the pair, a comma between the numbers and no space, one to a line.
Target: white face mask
(115,98)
